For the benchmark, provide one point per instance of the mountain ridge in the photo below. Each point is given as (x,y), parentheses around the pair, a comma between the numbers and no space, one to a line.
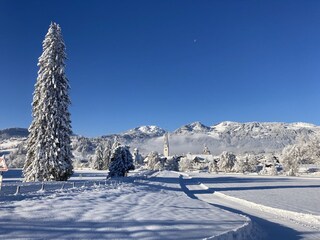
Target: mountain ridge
(224,136)
(155,131)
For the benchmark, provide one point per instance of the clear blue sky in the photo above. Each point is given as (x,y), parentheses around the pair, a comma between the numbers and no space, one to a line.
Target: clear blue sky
(167,62)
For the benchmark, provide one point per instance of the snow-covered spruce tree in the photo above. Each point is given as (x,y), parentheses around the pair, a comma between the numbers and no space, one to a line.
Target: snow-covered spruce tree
(98,161)
(107,152)
(49,147)
(121,162)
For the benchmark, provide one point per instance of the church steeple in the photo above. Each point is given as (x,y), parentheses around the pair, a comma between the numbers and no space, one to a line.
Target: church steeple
(166,145)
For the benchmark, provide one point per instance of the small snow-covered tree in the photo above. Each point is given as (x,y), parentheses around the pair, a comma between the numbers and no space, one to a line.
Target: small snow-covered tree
(246,163)
(172,163)
(213,167)
(227,161)
(154,161)
(309,151)
(273,170)
(121,162)
(252,162)
(290,158)
(49,146)
(137,157)
(186,164)
(98,161)
(303,152)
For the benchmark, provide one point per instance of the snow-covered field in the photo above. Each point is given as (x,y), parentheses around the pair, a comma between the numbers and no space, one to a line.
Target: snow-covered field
(293,194)
(139,207)
(160,205)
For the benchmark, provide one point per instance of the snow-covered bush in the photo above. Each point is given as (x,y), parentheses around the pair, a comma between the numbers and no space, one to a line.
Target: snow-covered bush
(252,162)
(172,163)
(49,145)
(121,162)
(303,152)
(290,158)
(241,165)
(273,170)
(154,161)
(186,164)
(227,161)
(245,163)
(213,167)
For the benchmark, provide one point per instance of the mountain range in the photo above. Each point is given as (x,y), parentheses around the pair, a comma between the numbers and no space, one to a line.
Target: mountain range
(237,137)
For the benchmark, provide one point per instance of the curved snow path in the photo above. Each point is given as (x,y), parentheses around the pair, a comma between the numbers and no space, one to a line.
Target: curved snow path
(273,223)
(145,207)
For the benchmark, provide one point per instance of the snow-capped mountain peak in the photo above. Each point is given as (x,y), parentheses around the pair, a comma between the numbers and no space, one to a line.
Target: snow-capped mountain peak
(225,136)
(149,130)
(221,127)
(195,127)
(144,131)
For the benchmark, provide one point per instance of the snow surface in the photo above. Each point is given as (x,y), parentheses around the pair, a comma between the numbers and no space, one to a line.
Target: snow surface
(269,223)
(161,205)
(274,223)
(139,207)
(293,194)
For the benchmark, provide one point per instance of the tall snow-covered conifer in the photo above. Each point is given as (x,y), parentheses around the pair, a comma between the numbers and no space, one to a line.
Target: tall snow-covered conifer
(98,161)
(49,150)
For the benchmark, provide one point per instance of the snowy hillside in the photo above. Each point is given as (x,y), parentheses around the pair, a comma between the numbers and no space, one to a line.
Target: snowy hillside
(196,127)
(13,132)
(231,136)
(143,132)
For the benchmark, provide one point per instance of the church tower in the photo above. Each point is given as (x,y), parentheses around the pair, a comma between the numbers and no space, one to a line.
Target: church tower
(166,145)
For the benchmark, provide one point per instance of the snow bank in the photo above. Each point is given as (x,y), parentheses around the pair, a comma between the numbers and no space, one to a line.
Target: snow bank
(294,194)
(242,233)
(306,219)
